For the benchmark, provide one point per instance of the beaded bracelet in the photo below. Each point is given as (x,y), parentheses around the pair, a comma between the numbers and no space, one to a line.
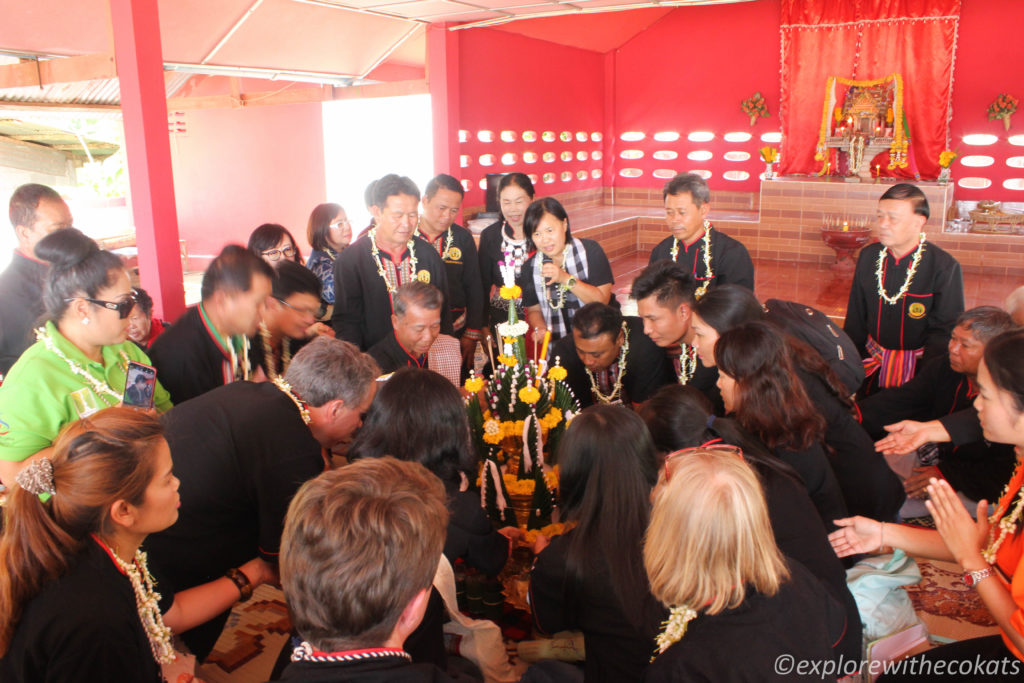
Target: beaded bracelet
(242,581)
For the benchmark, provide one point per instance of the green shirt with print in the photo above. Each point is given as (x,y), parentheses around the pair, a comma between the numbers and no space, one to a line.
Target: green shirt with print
(41,393)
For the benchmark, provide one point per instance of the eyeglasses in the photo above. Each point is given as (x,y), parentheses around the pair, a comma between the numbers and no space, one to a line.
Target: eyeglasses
(123,307)
(276,254)
(341,222)
(304,311)
(673,459)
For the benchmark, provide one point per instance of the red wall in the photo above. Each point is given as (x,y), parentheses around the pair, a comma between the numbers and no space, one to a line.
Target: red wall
(690,72)
(989,61)
(514,83)
(237,168)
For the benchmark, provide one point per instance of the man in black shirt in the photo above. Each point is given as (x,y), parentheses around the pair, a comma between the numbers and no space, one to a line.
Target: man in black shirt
(609,359)
(939,391)
(241,451)
(35,211)
(442,200)
(370,271)
(208,345)
(416,324)
(664,294)
(361,547)
(709,256)
(906,293)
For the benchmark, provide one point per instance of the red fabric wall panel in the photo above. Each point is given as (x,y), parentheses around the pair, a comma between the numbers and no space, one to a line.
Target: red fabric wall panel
(989,60)
(515,83)
(690,72)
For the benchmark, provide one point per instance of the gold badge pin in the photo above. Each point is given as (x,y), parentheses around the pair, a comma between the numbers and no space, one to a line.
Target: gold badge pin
(916,310)
(453,254)
(423,276)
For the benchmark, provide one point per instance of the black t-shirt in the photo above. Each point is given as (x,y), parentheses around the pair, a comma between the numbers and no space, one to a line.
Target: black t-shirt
(83,626)
(391,355)
(730,260)
(240,451)
(647,367)
(385,670)
(599,272)
(801,621)
(616,649)
(490,254)
(21,306)
(188,362)
(816,472)
(257,356)
(463,268)
(472,537)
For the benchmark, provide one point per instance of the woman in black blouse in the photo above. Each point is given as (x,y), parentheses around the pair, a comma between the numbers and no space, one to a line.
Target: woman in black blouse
(505,239)
(592,578)
(564,274)
(760,386)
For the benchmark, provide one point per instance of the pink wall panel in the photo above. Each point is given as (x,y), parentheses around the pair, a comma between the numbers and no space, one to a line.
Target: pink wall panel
(237,168)
(690,72)
(514,83)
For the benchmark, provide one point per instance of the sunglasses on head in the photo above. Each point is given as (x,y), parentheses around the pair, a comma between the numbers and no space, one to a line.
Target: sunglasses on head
(123,307)
(674,458)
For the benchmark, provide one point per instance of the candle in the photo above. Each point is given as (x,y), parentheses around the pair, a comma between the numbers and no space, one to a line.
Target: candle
(535,331)
(544,346)
(878,170)
(490,354)
(846,226)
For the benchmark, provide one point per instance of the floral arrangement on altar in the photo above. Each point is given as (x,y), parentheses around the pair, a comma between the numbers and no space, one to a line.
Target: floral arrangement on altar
(755,107)
(1003,108)
(947,157)
(517,417)
(769,154)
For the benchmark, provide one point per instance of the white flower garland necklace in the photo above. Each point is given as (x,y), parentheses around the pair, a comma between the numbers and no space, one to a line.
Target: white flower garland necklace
(687,363)
(706,247)
(375,252)
(447,241)
(147,602)
(674,628)
(299,403)
(268,353)
(623,352)
(562,289)
(1007,523)
(911,271)
(98,386)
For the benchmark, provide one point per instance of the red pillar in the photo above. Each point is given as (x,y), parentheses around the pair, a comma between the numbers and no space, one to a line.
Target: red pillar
(140,70)
(610,145)
(443,83)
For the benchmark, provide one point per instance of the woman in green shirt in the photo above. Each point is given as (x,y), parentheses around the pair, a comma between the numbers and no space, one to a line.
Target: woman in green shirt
(78,365)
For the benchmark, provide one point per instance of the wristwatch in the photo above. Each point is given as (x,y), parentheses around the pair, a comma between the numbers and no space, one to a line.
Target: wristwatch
(571,282)
(972,579)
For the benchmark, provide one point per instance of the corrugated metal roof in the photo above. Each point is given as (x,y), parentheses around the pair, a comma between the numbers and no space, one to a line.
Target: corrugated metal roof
(61,140)
(105,91)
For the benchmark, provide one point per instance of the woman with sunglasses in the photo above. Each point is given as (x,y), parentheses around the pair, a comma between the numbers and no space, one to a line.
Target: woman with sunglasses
(79,364)
(328,232)
(681,421)
(272,242)
(739,608)
(592,579)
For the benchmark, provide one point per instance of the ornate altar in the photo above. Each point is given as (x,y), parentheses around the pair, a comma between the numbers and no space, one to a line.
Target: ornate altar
(860,119)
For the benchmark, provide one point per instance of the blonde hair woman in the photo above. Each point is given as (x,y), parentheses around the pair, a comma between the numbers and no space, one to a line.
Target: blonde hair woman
(711,558)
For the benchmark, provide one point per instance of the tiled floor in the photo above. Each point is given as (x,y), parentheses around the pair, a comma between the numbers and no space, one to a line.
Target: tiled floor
(820,287)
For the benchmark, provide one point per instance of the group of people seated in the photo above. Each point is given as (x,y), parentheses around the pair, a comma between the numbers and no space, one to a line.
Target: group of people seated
(307,428)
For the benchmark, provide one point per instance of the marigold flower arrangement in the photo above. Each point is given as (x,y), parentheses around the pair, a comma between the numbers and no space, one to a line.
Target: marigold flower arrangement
(523,404)
(946,158)
(1003,107)
(769,154)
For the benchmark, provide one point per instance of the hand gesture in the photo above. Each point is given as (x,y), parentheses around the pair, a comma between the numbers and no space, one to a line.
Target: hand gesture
(908,435)
(856,535)
(963,536)
(917,483)
(553,273)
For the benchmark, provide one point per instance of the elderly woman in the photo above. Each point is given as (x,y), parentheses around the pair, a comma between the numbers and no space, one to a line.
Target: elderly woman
(563,274)
(990,550)
(737,604)
(329,232)
(79,364)
(505,240)
(143,328)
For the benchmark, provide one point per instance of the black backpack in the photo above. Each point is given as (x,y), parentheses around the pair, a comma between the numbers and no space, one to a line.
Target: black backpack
(829,340)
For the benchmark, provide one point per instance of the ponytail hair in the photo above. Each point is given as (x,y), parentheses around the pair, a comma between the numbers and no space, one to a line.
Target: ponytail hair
(78,267)
(97,461)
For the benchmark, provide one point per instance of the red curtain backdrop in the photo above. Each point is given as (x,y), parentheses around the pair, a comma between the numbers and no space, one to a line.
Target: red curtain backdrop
(867,40)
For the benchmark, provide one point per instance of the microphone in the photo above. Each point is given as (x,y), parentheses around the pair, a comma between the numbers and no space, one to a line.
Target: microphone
(547,259)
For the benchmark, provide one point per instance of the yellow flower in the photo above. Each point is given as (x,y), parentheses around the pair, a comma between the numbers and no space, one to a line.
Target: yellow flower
(474,384)
(509,340)
(509,293)
(557,373)
(529,394)
(517,486)
(946,158)
(837,114)
(551,420)
(769,154)
(508,360)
